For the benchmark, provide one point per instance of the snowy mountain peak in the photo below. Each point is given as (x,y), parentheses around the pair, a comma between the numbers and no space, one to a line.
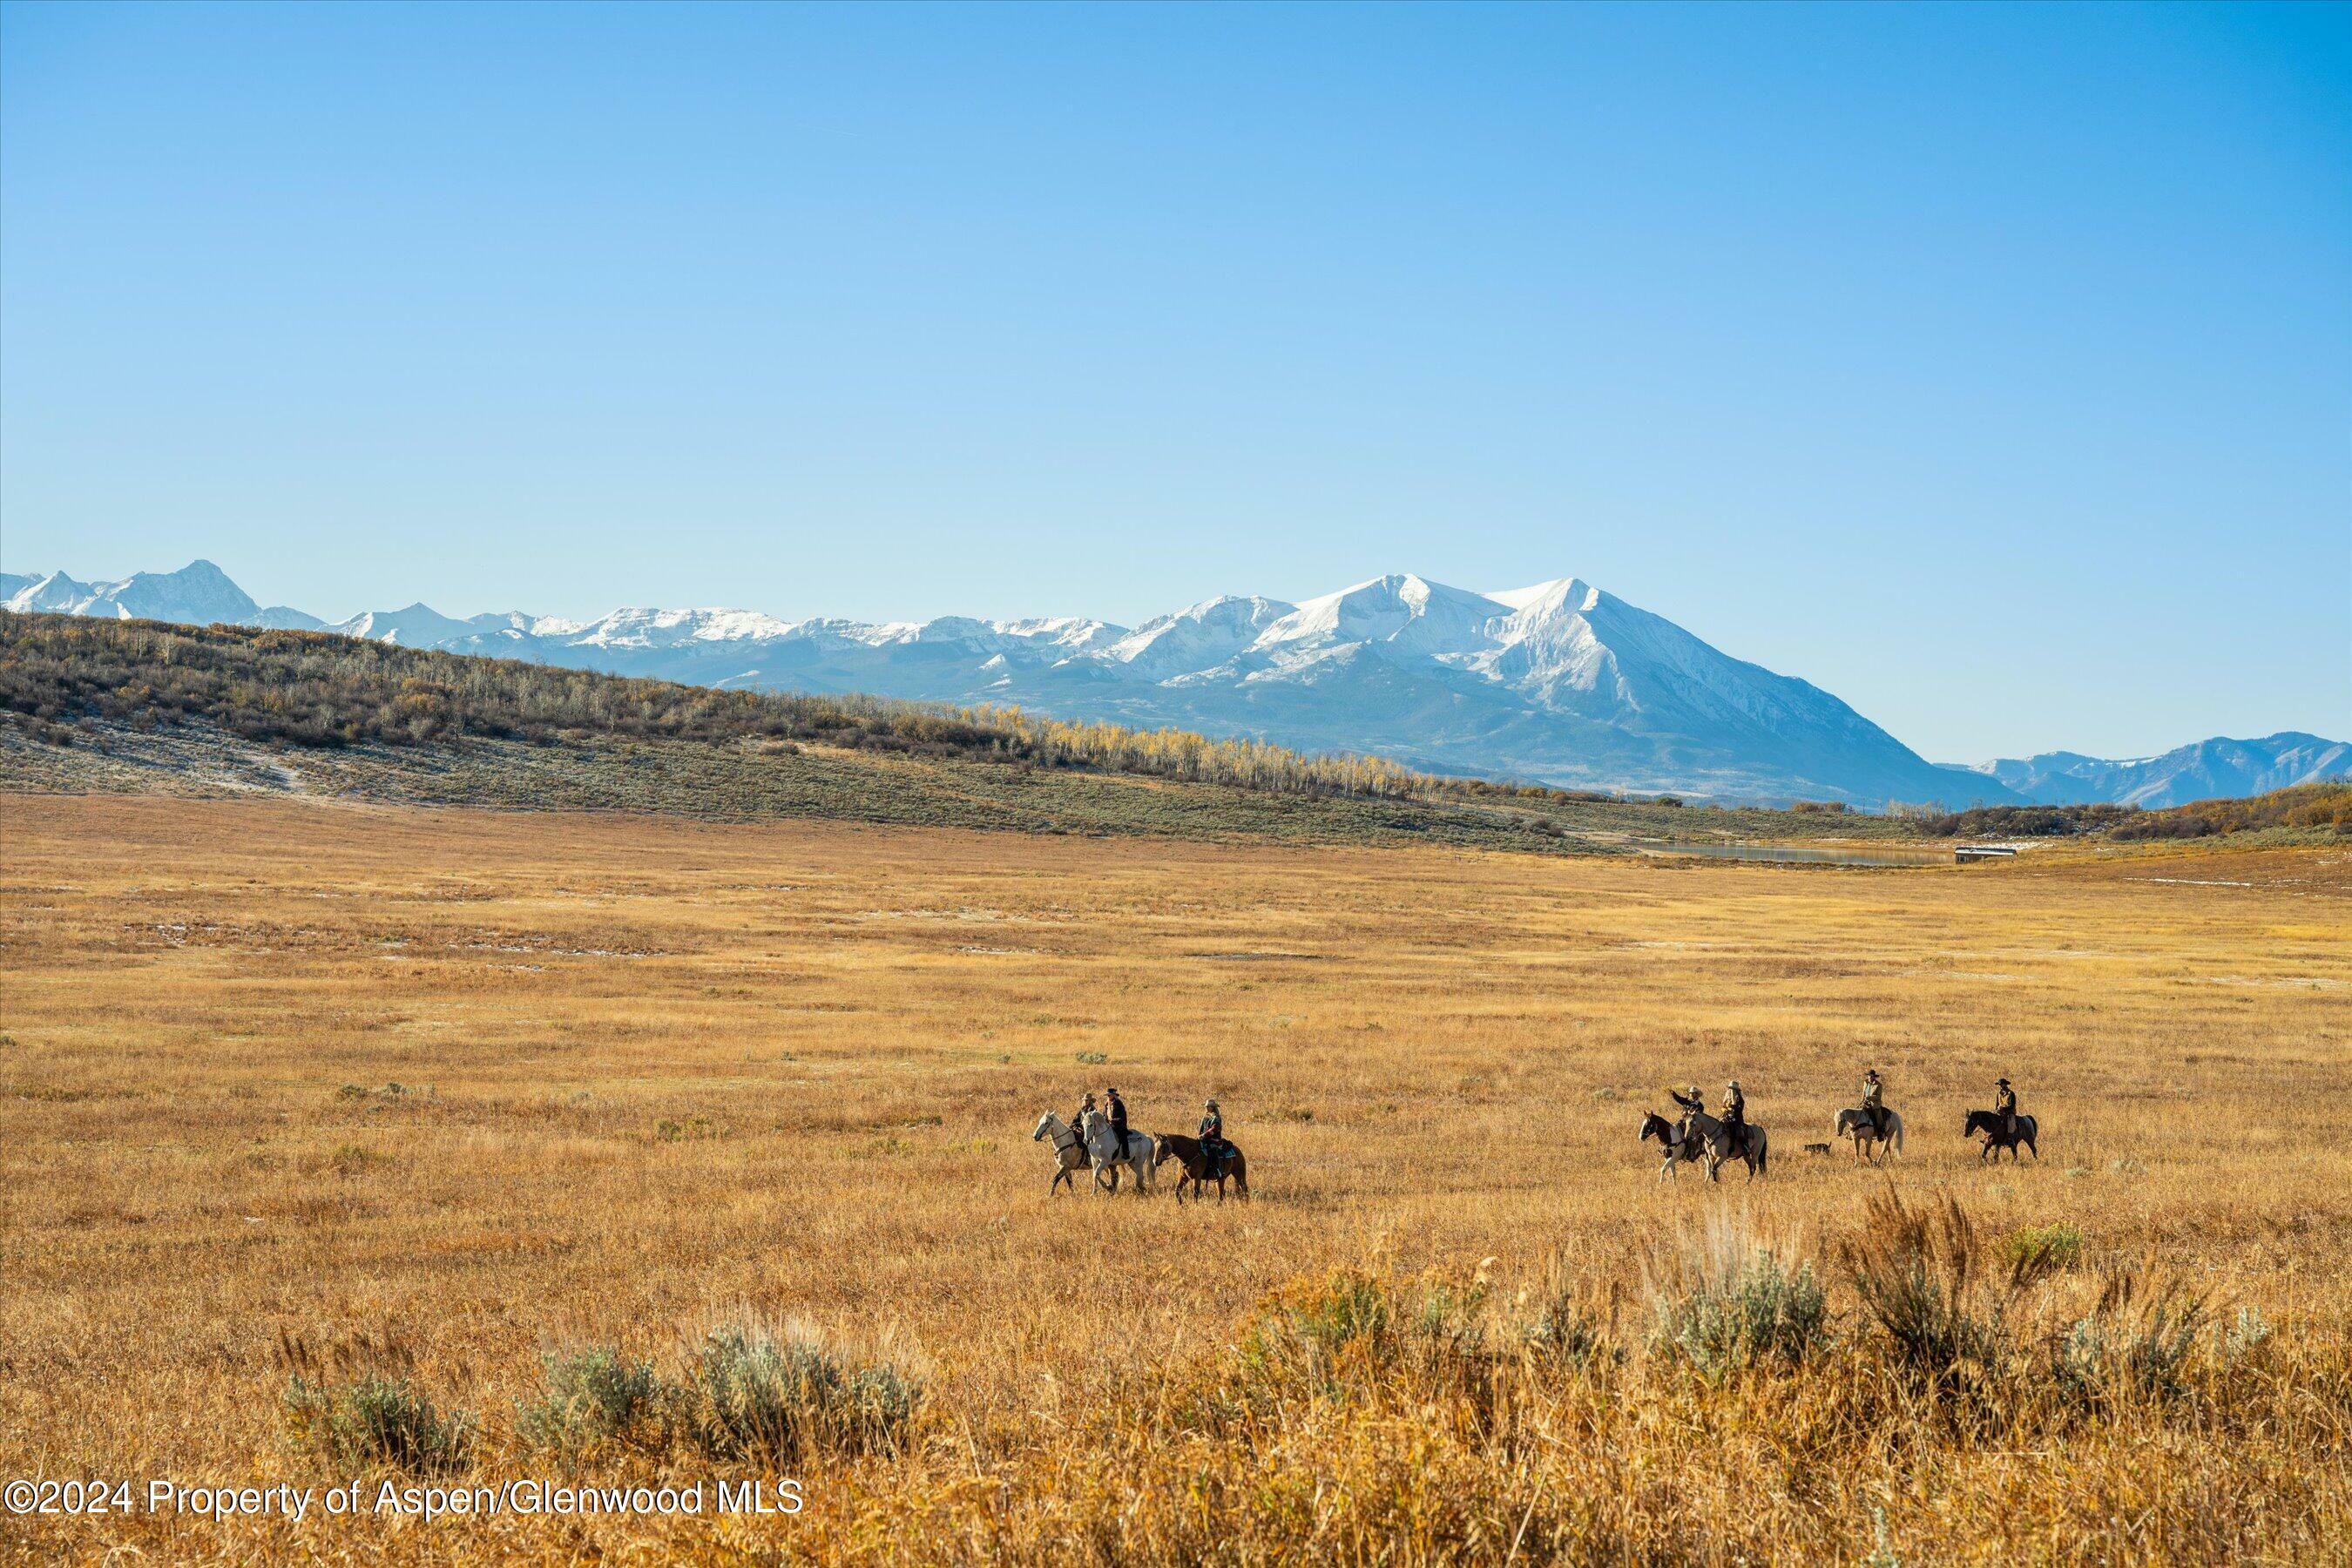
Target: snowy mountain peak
(1198,636)
(198,593)
(1561,594)
(1402,609)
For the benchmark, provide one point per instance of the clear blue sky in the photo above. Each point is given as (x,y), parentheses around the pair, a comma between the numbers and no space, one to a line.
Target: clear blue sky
(1989,366)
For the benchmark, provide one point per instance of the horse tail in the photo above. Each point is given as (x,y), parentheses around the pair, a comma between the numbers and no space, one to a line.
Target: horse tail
(1763,1150)
(1898,1137)
(1240,1172)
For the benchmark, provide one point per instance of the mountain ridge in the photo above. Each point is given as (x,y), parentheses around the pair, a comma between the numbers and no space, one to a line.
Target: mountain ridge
(1560,682)
(2218,768)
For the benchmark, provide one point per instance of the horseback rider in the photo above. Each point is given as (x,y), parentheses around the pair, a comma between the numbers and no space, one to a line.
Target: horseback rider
(2004,1105)
(1117,1119)
(1874,1103)
(1212,1138)
(1735,1117)
(1078,1122)
(1693,1102)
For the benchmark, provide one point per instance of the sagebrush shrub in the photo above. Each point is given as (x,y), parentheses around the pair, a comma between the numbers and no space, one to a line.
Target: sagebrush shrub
(1734,1304)
(590,1397)
(377,1420)
(2133,1345)
(1922,1278)
(764,1394)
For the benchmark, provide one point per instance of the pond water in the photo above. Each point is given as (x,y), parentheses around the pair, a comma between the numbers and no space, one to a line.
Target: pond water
(1804,854)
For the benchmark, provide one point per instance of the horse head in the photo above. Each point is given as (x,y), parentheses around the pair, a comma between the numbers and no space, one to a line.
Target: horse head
(1656,1126)
(1045,1125)
(1161,1151)
(1979,1122)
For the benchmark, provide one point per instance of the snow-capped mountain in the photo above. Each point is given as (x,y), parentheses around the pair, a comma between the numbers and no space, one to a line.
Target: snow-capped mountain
(421,626)
(199,593)
(1561,683)
(2208,770)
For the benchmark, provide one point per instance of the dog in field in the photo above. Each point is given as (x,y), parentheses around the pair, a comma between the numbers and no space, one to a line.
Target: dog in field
(1821,1149)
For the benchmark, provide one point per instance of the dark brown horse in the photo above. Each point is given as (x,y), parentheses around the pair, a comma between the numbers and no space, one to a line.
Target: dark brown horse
(1188,1152)
(1989,1124)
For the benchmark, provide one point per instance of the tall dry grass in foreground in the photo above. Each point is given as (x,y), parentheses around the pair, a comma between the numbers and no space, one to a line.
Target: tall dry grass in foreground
(463,1146)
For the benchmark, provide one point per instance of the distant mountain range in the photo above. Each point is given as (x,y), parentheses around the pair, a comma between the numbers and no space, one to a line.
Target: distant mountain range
(1559,683)
(2208,770)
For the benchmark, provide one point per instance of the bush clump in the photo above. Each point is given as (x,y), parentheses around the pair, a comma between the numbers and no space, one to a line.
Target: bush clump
(589,1398)
(1348,1331)
(377,1420)
(1922,1277)
(2043,1247)
(1737,1303)
(2132,1346)
(760,1394)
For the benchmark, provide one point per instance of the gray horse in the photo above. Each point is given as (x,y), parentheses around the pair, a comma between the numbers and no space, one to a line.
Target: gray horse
(1070,1151)
(1102,1148)
(1715,1141)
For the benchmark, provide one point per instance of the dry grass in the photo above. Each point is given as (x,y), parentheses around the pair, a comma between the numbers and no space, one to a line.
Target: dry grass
(432,1095)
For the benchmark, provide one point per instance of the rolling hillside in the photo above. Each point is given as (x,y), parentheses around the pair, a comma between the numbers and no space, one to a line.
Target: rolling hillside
(141,706)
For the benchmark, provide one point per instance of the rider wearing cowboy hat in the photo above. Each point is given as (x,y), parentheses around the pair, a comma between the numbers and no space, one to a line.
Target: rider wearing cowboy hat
(1693,1102)
(1117,1119)
(2004,1105)
(1212,1136)
(1873,1093)
(1735,1116)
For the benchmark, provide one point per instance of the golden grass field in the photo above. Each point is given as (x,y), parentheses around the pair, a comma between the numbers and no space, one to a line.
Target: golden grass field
(657,1074)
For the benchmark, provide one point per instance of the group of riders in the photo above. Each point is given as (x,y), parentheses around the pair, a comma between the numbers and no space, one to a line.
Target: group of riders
(1873,1109)
(1112,1112)
(1214,1147)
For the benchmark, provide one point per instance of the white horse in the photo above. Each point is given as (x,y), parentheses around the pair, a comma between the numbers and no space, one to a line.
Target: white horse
(1102,1148)
(1854,1123)
(1070,1151)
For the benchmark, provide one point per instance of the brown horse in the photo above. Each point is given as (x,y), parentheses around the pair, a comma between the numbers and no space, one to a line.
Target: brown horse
(1989,1124)
(1195,1161)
